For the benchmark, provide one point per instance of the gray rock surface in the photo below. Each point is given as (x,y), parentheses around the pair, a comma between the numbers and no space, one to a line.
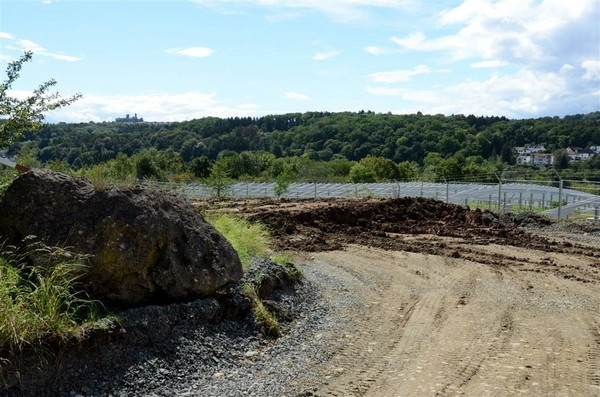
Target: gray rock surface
(143,245)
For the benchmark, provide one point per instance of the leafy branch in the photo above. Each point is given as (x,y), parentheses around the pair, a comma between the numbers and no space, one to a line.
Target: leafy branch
(18,116)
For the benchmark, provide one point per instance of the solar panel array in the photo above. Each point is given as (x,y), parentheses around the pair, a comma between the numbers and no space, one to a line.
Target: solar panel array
(492,196)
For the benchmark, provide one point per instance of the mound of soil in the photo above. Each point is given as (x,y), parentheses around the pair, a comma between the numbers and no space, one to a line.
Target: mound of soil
(332,224)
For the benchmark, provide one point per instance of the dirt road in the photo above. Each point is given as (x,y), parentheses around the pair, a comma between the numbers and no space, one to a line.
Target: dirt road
(447,301)
(431,325)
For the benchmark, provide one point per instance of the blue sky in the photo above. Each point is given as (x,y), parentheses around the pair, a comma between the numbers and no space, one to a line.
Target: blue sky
(179,60)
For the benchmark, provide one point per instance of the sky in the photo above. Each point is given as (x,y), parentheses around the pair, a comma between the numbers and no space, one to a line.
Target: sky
(184,59)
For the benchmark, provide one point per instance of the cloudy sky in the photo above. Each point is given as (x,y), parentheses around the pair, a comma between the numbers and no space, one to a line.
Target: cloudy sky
(179,60)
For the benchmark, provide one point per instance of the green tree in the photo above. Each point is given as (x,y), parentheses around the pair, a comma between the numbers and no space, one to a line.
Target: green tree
(374,169)
(200,167)
(146,167)
(561,159)
(282,184)
(407,171)
(18,116)
(219,180)
(361,173)
(122,168)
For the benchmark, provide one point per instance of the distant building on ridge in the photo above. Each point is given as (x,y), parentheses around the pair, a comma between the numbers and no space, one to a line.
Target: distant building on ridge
(128,119)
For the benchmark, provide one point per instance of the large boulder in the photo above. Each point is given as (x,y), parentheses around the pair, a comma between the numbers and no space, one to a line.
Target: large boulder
(143,245)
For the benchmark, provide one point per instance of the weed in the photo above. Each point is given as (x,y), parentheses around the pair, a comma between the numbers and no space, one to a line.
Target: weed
(40,301)
(293,271)
(249,240)
(267,321)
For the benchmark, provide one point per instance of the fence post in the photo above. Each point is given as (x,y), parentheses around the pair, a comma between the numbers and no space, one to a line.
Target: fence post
(520,201)
(560,193)
(315,190)
(560,187)
(531,202)
(544,200)
(447,191)
(499,193)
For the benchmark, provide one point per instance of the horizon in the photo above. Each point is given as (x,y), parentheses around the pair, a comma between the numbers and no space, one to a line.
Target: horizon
(188,59)
(115,120)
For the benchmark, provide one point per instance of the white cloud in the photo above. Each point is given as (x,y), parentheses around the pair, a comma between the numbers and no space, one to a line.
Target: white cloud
(28,45)
(152,106)
(322,56)
(543,41)
(514,31)
(418,41)
(38,50)
(295,96)
(6,36)
(592,69)
(374,50)
(488,64)
(396,76)
(566,68)
(525,94)
(194,52)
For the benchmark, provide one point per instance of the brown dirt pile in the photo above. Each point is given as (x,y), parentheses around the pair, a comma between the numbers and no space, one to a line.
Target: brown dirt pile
(331,224)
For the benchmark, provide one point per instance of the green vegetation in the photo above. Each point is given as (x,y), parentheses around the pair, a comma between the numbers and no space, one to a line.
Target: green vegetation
(20,116)
(313,147)
(267,321)
(249,240)
(40,302)
(7,176)
(290,267)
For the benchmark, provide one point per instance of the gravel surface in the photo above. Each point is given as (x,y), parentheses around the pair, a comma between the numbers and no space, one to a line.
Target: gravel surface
(188,350)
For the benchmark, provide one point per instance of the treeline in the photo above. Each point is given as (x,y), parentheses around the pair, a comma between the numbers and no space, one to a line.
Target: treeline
(317,145)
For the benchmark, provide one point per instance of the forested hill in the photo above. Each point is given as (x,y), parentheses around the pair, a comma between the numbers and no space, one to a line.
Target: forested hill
(316,135)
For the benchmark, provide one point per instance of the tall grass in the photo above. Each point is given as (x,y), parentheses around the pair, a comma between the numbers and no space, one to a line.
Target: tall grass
(267,321)
(248,239)
(40,302)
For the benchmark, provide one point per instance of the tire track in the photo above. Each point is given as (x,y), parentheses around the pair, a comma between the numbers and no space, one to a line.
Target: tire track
(486,347)
(411,330)
(441,326)
(593,358)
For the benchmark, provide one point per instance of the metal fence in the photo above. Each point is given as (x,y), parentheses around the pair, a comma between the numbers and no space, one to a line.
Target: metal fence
(549,197)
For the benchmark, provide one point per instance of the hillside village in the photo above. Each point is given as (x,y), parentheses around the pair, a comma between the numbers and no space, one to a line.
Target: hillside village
(537,155)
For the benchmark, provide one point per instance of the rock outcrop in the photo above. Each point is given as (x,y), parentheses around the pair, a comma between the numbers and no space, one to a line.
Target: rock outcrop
(143,245)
